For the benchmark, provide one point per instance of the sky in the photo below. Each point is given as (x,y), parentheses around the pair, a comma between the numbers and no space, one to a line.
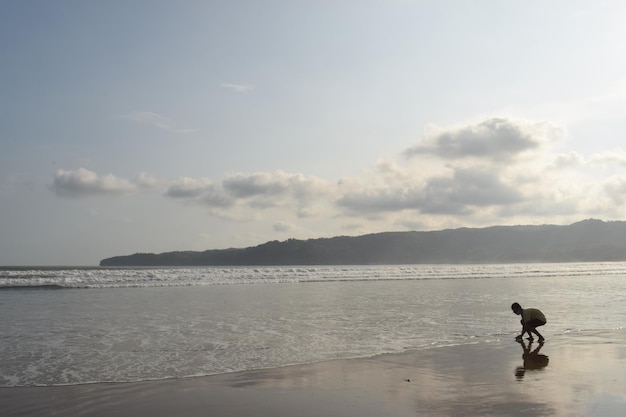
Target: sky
(153,126)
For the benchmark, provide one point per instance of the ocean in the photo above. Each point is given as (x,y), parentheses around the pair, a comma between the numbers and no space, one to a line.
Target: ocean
(66,326)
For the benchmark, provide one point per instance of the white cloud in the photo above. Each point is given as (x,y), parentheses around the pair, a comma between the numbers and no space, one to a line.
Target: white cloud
(237,88)
(568,160)
(258,191)
(145,180)
(283,227)
(260,184)
(615,188)
(187,187)
(609,157)
(82,182)
(466,184)
(157,120)
(494,139)
(469,183)
(267,189)
(465,190)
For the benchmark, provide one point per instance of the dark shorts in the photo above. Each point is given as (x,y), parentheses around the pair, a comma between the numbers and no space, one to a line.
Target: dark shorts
(535,323)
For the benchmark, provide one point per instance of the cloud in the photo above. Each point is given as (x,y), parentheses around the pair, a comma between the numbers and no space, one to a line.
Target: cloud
(458,194)
(615,157)
(237,88)
(276,189)
(82,182)
(380,200)
(145,180)
(616,189)
(187,187)
(257,191)
(499,170)
(159,121)
(467,189)
(259,184)
(469,178)
(283,227)
(466,184)
(568,160)
(494,139)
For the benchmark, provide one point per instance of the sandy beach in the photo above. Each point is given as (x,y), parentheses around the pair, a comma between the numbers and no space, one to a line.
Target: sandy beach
(576,374)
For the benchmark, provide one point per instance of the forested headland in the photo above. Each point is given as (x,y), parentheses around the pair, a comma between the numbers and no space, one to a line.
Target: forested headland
(585,241)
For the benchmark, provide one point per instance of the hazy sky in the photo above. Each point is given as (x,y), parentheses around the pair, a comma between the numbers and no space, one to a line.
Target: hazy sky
(152,126)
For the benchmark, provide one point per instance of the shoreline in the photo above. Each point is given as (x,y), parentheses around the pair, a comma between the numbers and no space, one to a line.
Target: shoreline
(575,374)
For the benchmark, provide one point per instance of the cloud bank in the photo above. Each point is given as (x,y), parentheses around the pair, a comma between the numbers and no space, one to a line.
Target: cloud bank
(257,191)
(495,139)
(83,183)
(496,171)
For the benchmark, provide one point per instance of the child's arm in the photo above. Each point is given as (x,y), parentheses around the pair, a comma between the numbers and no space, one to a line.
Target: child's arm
(524,330)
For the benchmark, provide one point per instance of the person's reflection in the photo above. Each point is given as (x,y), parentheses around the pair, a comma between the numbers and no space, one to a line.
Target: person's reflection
(532,359)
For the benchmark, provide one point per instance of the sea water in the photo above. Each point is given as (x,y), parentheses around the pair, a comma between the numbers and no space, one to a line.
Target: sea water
(63,326)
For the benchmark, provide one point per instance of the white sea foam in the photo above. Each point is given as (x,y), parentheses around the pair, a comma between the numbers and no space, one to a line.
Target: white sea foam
(171,277)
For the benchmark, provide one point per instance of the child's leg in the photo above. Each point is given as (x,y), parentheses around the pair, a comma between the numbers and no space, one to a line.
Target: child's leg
(534,330)
(528,329)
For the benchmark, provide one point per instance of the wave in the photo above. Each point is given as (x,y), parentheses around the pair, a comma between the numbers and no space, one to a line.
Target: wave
(33,287)
(93,277)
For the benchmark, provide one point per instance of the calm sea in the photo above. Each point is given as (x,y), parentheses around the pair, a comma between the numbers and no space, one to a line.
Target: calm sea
(82,325)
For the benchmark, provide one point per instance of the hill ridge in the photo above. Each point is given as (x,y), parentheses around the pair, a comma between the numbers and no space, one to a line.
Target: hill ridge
(589,240)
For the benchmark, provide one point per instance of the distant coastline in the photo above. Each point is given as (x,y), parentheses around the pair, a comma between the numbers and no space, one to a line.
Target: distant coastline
(585,241)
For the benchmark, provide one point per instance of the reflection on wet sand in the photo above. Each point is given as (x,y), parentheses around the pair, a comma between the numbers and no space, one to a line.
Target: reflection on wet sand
(585,378)
(533,360)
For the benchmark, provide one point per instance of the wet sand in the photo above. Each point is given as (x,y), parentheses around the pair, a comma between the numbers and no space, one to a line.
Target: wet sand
(577,374)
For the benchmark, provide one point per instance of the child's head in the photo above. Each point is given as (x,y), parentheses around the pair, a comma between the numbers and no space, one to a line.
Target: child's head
(517,309)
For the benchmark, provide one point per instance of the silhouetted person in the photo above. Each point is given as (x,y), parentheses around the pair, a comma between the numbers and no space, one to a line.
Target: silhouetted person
(531,319)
